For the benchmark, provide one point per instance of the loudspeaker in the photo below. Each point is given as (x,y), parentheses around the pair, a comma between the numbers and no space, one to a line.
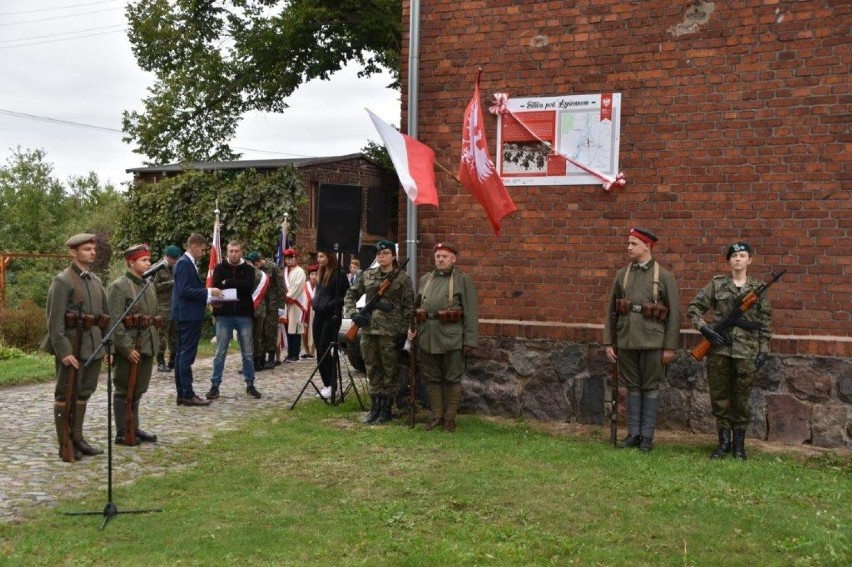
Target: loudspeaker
(339,218)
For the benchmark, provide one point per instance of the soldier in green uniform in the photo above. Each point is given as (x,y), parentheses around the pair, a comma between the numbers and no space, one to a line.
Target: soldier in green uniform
(76,298)
(447,330)
(737,356)
(644,306)
(274,300)
(163,283)
(136,340)
(383,332)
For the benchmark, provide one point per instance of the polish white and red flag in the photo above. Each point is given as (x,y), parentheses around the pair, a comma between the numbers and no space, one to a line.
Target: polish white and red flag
(476,170)
(413,161)
(215,252)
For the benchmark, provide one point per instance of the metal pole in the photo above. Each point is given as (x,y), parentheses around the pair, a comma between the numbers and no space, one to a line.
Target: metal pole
(413,68)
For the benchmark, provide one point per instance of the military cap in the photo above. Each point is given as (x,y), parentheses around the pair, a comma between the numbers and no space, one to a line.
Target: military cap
(738,247)
(386,245)
(644,235)
(78,239)
(253,256)
(446,246)
(313,268)
(290,252)
(172,251)
(137,251)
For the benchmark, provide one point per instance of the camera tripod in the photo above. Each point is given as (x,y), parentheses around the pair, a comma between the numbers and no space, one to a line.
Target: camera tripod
(338,390)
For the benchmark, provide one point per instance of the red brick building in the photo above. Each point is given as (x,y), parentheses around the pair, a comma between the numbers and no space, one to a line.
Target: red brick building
(735,125)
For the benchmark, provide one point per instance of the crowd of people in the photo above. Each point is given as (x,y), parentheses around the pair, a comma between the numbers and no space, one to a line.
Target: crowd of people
(291,314)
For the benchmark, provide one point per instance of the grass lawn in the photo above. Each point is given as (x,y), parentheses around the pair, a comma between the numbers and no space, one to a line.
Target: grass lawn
(315,487)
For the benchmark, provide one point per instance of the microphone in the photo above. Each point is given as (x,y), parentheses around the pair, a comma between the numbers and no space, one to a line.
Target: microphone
(154,269)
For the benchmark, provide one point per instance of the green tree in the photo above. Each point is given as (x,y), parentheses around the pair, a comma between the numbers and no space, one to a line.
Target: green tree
(32,204)
(252,207)
(214,60)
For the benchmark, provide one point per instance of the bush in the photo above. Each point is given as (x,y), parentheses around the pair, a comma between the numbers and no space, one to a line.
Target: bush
(23,326)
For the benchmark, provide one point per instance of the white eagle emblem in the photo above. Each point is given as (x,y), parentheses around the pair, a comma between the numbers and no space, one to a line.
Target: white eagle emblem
(473,152)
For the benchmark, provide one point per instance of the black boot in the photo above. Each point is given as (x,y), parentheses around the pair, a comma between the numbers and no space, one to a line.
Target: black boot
(650,407)
(119,412)
(385,414)
(270,361)
(634,415)
(141,436)
(739,444)
(724,448)
(375,407)
(79,442)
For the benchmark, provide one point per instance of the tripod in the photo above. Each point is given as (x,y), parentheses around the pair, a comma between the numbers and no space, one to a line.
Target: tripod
(111,510)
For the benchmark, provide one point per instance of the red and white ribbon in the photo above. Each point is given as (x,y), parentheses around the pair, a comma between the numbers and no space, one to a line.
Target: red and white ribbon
(500,107)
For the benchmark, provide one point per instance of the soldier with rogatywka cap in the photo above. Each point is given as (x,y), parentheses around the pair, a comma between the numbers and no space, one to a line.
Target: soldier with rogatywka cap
(644,311)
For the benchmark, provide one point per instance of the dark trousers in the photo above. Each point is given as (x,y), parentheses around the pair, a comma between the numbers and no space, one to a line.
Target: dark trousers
(294,345)
(325,333)
(189,333)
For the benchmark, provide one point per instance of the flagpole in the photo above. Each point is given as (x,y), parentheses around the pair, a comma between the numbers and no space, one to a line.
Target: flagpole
(413,80)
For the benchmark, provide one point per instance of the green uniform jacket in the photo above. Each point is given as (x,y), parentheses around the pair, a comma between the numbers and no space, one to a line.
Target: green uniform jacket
(400,293)
(120,293)
(62,297)
(275,293)
(435,337)
(164,280)
(721,295)
(635,331)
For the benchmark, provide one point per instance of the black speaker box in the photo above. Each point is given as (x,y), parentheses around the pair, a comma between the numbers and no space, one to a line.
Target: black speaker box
(339,218)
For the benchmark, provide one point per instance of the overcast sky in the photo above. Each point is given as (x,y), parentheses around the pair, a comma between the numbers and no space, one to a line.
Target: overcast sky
(50,75)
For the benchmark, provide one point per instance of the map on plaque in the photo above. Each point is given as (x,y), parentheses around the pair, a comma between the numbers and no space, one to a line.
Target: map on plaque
(536,137)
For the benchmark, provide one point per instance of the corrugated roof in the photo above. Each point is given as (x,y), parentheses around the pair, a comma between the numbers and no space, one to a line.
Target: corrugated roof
(247,164)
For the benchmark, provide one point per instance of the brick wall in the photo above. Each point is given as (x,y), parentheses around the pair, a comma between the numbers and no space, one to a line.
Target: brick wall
(735,126)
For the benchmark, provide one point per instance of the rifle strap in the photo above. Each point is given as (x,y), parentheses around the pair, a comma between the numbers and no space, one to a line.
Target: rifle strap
(450,288)
(655,289)
(78,285)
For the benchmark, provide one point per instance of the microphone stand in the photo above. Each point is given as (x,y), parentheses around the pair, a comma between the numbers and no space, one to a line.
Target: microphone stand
(111,510)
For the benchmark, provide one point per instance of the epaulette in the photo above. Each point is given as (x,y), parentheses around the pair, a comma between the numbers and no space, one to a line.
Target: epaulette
(720,276)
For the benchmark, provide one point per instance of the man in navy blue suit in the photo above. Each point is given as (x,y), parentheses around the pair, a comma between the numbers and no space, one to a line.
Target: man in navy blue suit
(189,300)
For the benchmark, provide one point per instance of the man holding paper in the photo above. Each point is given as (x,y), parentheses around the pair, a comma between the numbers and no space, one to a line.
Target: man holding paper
(233,312)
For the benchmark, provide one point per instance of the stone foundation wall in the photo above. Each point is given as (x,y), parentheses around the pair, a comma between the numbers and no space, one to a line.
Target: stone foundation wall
(797,399)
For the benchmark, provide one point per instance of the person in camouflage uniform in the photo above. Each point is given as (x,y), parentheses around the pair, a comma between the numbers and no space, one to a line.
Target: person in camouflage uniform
(267,339)
(736,356)
(382,332)
(120,294)
(163,282)
(644,311)
(447,331)
(75,290)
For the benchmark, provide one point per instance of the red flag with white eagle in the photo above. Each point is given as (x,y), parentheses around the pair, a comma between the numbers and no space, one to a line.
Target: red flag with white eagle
(215,252)
(476,171)
(413,161)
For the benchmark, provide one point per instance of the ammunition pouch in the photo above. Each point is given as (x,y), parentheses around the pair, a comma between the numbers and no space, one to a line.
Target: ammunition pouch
(655,311)
(622,306)
(103,321)
(157,322)
(421,315)
(450,315)
(86,321)
(131,321)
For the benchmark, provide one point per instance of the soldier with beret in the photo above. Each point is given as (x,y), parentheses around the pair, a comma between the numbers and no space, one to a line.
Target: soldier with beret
(736,356)
(382,332)
(76,300)
(644,309)
(259,317)
(163,282)
(267,339)
(447,312)
(136,341)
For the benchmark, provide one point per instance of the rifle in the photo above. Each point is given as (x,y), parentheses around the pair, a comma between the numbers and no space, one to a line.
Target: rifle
(134,322)
(744,304)
(412,373)
(71,388)
(373,301)
(613,398)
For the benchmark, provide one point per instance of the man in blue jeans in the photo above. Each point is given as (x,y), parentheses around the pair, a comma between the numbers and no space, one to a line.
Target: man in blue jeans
(234,314)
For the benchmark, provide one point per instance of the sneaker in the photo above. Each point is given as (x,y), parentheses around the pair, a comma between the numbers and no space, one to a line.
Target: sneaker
(213,394)
(307,356)
(162,367)
(252,391)
(326,392)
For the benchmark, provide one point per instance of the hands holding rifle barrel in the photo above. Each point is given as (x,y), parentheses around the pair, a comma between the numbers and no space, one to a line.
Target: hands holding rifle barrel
(715,338)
